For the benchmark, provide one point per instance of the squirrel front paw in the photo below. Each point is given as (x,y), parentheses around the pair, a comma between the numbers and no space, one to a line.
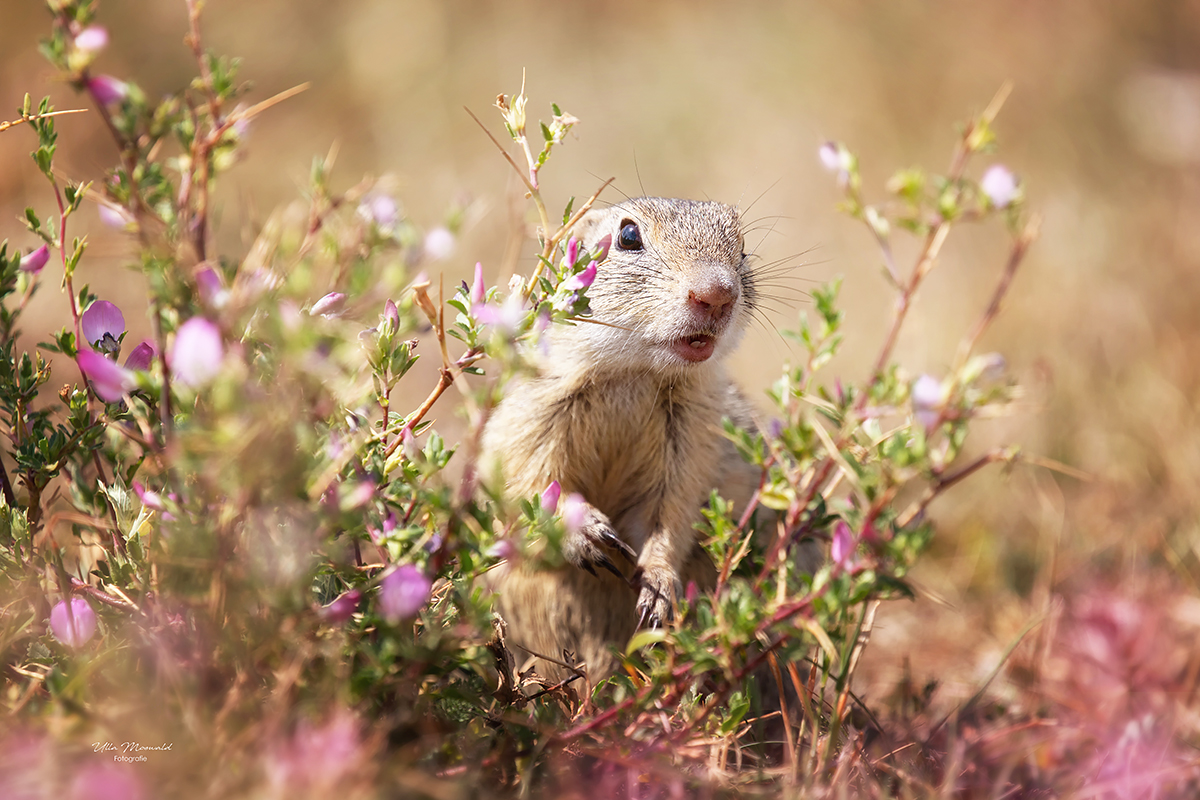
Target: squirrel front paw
(584,545)
(656,600)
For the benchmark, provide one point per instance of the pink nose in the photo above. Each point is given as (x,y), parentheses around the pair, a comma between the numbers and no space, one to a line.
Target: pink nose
(714,300)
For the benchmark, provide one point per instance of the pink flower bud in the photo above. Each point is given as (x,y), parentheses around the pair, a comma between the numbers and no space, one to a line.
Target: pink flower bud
(550,497)
(342,608)
(409,443)
(36,260)
(75,626)
(402,592)
(329,306)
(504,549)
(211,288)
(102,325)
(602,249)
(999,185)
(572,251)
(109,381)
(141,357)
(197,353)
(92,39)
(107,90)
(478,288)
(391,315)
(842,546)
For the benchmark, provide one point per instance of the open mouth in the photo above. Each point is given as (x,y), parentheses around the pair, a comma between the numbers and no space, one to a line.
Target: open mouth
(695,348)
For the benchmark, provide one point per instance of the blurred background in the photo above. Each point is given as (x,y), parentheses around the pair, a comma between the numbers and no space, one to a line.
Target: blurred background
(731,101)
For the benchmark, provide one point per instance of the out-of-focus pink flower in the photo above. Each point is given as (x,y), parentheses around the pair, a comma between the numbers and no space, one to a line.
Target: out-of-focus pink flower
(358,495)
(115,216)
(841,547)
(92,39)
(109,381)
(108,90)
(409,443)
(927,400)
(102,780)
(197,353)
(582,279)
(572,251)
(141,357)
(75,627)
(211,288)
(342,608)
(550,497)
(402,592)
(574,512)
(36,260)
(504,549)
(836,159)
(316,758)
(329,306)
(102,324)
(380,209)
(439,244)
(999,185)
(478,287)
(506,317)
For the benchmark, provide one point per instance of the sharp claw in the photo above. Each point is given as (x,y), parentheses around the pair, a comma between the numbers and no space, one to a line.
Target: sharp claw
(622,548)
(606,562)
(589,568)
(642,617)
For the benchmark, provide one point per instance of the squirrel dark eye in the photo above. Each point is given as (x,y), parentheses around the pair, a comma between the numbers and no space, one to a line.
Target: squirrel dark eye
(630,237)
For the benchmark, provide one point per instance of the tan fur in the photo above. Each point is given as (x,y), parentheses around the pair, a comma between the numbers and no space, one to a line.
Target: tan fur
(618,417)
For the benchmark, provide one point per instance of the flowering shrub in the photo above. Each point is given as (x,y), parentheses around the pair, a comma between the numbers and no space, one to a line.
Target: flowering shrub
(233,543)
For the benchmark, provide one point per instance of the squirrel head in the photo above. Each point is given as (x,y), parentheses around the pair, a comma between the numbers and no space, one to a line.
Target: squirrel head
(675,292)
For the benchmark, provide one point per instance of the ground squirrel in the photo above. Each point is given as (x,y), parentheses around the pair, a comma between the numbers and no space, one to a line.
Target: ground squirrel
(629,415)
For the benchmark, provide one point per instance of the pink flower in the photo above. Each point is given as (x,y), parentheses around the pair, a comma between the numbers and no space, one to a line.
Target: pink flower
(582,279)
(103,323)
(329,306)
(197,353)
(109,381)
(92,39)
(550,497)
(74,627)
(841,547)
(402,592)
(342,608)
(999,185)
(149,497)
(107,90)
(574,512)
(36,260)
